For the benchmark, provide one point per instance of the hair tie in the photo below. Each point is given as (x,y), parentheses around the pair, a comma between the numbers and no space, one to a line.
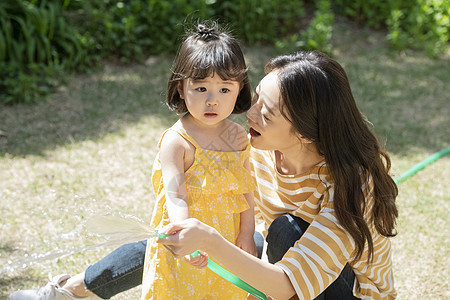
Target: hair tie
(204,31)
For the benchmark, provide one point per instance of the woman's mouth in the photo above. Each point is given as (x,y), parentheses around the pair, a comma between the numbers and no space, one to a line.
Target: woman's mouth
(253,132)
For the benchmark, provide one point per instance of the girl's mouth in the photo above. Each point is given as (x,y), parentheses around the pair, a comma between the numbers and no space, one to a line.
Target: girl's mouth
(253,132)
(210,115)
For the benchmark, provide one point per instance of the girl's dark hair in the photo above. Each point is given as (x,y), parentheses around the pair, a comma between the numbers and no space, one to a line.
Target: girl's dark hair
(318,102)
(205,52)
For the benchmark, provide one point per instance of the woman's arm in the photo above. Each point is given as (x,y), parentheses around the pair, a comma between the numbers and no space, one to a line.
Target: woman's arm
(172,156)
(190,235)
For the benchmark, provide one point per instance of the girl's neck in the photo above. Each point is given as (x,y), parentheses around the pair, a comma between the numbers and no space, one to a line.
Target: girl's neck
(297,160)
(209,137)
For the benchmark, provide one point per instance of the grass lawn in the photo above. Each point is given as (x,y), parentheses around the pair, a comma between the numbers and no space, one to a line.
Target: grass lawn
(90,149)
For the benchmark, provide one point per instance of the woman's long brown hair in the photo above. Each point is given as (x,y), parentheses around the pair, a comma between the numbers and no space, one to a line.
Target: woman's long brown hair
(317,100)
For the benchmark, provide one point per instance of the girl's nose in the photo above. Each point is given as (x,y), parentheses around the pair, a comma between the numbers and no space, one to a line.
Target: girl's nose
(211,100)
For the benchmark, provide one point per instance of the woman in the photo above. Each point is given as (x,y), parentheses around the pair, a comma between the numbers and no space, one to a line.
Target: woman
(323,192)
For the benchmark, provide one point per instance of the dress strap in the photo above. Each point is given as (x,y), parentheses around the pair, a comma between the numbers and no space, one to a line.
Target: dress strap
(181,131)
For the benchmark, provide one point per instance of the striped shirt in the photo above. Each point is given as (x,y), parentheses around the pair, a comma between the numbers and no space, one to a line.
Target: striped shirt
(320,255)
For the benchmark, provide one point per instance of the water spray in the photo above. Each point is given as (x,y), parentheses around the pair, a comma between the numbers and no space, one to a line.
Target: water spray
(135,230)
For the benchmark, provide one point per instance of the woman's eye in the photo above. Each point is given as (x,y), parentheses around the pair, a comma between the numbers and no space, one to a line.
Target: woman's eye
(224,90)
(201,89)
(266,118)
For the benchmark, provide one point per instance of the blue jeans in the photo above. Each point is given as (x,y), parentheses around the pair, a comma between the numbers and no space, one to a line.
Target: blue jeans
(283,233)
(122,269)
(117,272)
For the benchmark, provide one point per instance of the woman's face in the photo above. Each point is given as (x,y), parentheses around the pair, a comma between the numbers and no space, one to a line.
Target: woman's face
(269,130)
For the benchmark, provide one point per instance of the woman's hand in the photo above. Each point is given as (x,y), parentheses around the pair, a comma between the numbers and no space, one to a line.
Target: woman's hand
(247,243)
(187,236)
(190,235)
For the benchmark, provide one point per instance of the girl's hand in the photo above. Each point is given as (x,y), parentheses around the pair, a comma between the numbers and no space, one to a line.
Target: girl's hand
(186,237)
(246,243)
(200,261)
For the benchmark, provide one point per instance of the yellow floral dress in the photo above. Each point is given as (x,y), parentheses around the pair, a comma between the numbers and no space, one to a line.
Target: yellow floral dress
(216,183)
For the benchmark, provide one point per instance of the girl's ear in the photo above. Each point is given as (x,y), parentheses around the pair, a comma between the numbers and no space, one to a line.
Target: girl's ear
(180,89)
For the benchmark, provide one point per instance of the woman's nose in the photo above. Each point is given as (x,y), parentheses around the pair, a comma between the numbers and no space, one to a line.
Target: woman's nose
(252,113)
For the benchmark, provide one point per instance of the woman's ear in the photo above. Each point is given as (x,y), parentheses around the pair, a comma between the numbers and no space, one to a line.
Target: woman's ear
(304,140)
(180,89)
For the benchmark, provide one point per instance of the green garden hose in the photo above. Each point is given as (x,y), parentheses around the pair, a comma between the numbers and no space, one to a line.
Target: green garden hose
(232,278)
(422,165)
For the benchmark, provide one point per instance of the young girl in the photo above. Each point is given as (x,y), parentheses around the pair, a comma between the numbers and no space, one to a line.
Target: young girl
(202,169)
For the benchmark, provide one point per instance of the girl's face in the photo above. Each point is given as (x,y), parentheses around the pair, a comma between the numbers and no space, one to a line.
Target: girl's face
(209,100)
(269,130)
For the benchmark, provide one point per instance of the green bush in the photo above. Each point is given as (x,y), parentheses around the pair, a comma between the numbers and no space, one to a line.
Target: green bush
(424,24)
(41,39)
(134,29)
(257,21)
(35,45)
(316,36)
(20,85)
(372,13)
(419,24)
(131,30)
(51,36)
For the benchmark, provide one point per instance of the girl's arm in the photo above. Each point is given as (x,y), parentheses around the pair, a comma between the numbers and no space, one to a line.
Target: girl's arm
(172,157)
(245,239)
(191,234)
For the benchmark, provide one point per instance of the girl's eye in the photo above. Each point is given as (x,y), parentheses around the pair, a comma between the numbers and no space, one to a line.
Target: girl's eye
(266,118)
(201,89)
(224,90)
